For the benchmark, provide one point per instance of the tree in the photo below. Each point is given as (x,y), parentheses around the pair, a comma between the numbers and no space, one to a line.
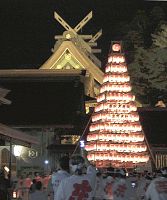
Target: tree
(157,15)
(138,31)
(160,39)
(148,74)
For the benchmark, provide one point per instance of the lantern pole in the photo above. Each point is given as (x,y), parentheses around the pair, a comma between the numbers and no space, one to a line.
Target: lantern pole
(10,160)
(150,151)
(83,133)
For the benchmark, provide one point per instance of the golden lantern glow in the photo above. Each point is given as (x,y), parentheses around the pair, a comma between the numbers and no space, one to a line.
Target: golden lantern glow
(115,135)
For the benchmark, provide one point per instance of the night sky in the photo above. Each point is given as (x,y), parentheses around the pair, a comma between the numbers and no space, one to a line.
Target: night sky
(28,27)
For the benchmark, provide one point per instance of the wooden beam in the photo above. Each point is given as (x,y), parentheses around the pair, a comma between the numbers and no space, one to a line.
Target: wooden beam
(17,135)
(92,44)
(63,23)
(38,73)
(57,37)
(83,22)
(95,37)
(86,37)
(96,50)
(4,101)
(3,93)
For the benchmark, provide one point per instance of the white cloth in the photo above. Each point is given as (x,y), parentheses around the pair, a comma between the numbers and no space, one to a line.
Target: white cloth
(99,193)
(157,190)
(108,188)
(57,178)
(76,187)
(38,195)
(91,170)
(122,190)
(143,184)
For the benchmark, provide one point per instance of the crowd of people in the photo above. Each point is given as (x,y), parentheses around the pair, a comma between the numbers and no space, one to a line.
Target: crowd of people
(76,180)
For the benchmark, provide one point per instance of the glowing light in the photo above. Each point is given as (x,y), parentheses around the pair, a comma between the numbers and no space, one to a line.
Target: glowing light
(116,59)
(115,107)
(6,169)
(115,135)
(116,68)
(17,150)
(46,162)
(118,88)
(116,47)
(82,143)
(116,78)
(14,195)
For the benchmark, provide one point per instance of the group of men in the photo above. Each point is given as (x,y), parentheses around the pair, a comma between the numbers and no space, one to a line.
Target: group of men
(76,180)
(87,183)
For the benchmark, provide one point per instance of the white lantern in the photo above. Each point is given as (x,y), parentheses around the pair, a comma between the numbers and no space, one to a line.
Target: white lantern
(17,150)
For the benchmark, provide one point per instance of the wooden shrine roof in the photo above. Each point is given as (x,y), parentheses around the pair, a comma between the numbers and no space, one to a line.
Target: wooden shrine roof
(43,98)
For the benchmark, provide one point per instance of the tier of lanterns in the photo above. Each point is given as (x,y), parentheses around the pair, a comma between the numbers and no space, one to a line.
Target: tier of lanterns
(118,88)
(115,128)
(116,78)
(104,146)
(116,68)
(116,117)
(134,158)
(125,138)
(114,96)
(116,135)
(115,107)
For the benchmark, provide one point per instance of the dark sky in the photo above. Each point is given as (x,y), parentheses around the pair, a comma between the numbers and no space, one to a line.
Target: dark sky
(27,27)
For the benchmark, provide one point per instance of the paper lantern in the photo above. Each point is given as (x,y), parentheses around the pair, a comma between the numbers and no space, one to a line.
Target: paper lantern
(116,47)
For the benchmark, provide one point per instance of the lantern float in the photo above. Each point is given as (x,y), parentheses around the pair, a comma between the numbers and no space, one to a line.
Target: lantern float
(115,135)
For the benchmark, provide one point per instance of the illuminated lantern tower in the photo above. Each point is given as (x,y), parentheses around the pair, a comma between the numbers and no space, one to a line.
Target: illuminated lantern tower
(115,135)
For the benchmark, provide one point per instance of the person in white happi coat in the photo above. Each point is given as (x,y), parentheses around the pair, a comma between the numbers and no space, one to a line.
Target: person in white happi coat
(38,194)
(98,195)
(143,184)
(122,189)
(108,182)
(157,190)
(61,174)
(79,186)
